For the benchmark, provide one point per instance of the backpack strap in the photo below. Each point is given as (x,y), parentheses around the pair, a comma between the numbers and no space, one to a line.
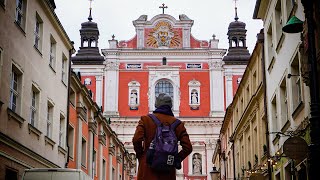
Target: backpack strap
(155,119)
(174,125)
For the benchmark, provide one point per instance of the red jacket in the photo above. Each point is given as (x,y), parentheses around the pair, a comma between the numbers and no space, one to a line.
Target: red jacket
(142,138)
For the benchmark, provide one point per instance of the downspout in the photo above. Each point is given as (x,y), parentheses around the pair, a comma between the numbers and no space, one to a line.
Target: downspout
(71,51)
(234,160)
(264,81)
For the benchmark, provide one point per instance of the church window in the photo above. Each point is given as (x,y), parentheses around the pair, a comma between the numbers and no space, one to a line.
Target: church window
(164,61)
(241,42)
(164,86)
(234,42)
(194,94)
(87,81)
(134,95)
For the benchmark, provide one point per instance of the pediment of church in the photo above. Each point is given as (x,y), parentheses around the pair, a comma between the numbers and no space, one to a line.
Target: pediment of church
(163,32)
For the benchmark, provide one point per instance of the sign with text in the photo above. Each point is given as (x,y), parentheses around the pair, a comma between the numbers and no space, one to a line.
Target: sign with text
(194,66)
(133,66)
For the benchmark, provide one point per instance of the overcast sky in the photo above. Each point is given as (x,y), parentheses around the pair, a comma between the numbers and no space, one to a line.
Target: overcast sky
(116,16)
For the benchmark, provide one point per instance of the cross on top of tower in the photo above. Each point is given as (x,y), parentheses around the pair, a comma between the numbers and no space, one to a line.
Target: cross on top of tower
(90,17)
(163,7)
(236,12)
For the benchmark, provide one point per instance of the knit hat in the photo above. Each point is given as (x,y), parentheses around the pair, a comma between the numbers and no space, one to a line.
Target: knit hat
(163,99)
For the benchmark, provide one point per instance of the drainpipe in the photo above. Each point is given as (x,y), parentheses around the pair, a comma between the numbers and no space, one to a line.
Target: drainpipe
(260,38)
(71,51)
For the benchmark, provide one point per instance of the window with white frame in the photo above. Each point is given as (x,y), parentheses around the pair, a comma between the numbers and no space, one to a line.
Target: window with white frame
(64,69)
(38,32)
(71,141)
(62,131)
(15,89)
(274,115)
(289,7)
(283,102)
(278,22)
(134,94)
(94,154)
(52,56)
(84,153)
(34,108)
(295,80)
(49,119)
(270,44)
(72,97)
(21,13)
(104,166)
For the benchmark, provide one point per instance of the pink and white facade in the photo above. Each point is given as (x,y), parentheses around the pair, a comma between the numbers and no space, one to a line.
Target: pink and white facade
(163,56)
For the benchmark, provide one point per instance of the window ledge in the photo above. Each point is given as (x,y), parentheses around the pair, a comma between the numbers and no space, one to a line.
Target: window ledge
(276,139)
(37,49)
(297,110)
(49,141)
(52,68)
(194,106)
(280,42)
(285,126)
(63,83)
(34,130)
(20,28)
(62,150)
(15,116)
(270,67)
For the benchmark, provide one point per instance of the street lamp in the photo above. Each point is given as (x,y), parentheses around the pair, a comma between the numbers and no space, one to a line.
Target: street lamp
(314,147)
(214,173)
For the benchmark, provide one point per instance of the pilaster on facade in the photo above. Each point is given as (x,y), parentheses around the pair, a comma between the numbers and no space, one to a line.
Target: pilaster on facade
(216,88)
(111,88)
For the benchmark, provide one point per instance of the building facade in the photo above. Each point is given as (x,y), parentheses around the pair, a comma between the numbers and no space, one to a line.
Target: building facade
(240,153)
(93,145)
(163,56)
(288,93)
(34,62)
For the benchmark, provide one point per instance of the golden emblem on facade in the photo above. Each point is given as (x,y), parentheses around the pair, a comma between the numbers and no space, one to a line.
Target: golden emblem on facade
(163,35)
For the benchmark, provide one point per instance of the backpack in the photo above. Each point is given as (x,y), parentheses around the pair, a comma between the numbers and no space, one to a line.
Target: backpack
(162,154)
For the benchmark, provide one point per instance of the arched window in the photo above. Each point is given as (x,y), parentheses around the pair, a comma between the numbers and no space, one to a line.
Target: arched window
(164,86)
(234,42)
(241,42)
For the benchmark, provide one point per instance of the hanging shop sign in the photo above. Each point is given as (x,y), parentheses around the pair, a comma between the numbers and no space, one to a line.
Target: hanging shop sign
(295,148)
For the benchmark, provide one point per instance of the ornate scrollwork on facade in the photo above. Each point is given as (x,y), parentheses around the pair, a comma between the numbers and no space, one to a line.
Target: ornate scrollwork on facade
(112,65)
(216,64)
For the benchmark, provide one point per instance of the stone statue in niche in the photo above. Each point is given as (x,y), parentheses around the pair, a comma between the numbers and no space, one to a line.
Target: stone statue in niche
(194,98)
(133,98)
(197,167)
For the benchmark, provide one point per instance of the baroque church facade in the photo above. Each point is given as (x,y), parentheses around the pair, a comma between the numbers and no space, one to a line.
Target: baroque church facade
(163,56)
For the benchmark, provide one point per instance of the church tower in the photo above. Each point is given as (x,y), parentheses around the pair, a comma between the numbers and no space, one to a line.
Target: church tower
(237,52)
(89,50)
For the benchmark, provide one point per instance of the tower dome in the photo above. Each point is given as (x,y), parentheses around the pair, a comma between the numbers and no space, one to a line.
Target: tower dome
(88,52)
(237,51)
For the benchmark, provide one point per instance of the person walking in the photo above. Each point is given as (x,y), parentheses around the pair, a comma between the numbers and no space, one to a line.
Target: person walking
(145,132)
